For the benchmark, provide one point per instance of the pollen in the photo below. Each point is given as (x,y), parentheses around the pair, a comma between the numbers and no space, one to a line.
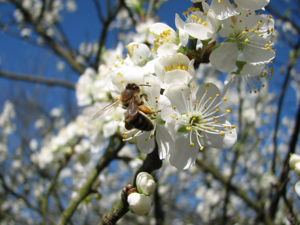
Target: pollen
(174,107)
(222,133)
(217,95)
(116,97)
(217,110)
(233,126)
(225,99)
(246,40)
(188,128)
(228,111)
(171,115)
(201,148)
(192,144)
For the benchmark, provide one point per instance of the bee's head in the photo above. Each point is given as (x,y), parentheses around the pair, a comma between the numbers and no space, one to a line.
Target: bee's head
(132,86)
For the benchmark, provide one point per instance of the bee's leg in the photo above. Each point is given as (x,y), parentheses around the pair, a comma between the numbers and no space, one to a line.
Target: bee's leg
(144,96)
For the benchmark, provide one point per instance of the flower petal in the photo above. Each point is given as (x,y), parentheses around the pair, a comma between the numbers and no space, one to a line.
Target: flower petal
(182,156)
(224,57)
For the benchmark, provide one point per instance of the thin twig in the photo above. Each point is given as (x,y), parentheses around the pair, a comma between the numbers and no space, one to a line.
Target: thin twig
(283,178)
(119,209)
(105,26)
(114,146)
(36,79)
(280,102)
(40,29)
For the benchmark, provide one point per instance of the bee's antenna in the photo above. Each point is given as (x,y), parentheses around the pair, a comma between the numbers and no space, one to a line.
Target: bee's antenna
(148,85)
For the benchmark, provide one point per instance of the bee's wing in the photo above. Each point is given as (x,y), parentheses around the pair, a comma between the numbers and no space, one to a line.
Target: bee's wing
(105,110)
(132,107)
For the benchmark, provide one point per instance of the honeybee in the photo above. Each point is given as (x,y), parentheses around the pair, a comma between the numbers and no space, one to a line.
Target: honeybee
(131,100)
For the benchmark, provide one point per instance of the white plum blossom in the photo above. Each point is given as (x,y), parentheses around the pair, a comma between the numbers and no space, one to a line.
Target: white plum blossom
(199,122)
(167,41)
(200,25)
(249,41)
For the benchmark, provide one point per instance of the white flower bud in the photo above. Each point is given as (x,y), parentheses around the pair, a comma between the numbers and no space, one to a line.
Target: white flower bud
(145,183)
(297,168)
(297,188)
(294,158)
(139,204)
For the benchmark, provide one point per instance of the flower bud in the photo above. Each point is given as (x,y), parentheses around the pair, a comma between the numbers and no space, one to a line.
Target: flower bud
(297,188)
(145,183)
(139,204)
(294,158)
(297,168)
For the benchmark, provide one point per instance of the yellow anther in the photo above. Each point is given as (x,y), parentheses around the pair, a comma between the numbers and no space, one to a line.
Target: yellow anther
(228,111)
(201,148)
(210,98)
(246,40)
(192,144)
(122,81)
(222,133)
(188,128)
(225,99)
(217,95)
(232,126)
(194,17)
(217,110)
(171,115)
(174,107)
(116,97)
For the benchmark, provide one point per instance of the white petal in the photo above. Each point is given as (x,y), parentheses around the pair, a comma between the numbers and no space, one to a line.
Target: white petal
(224,57)
(297,188)
(221,142)
(252,69)
(254,54)
(223,10)
(252,4)
(198,31)
(177,77)
(144,143)
(182,156)
(110,128)
(210,90)
(138,52)
(164,141)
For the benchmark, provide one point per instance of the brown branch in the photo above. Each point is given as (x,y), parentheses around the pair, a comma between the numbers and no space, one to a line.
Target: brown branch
(114,146)
(36,79)
(280,103)
(52,185)
(103,35)
(17,195)
(119,209)
(39,29)
(283,178)
(158,211)
(257,206)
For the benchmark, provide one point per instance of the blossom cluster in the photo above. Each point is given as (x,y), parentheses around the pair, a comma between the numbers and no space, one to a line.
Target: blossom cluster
(169,106)
(138,198)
